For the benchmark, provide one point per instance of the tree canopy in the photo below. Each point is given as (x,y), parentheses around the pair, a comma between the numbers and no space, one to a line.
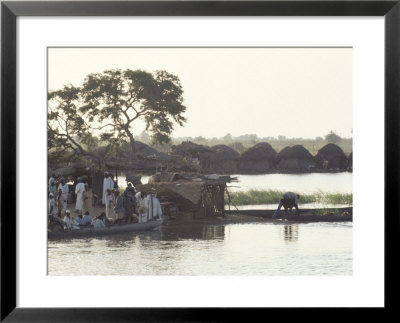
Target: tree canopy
(108,104)
(332,137)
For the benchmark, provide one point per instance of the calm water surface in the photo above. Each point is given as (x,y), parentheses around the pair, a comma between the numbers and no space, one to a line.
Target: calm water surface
(306,183)
(235,249)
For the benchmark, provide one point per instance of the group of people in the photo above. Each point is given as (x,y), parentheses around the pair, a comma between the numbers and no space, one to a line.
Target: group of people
(119,208)
(58,196)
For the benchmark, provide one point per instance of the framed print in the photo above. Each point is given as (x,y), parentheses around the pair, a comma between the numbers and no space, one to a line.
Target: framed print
(192,155)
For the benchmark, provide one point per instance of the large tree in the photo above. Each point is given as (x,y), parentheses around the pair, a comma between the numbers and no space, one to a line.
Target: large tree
(116,99)
(104,110)
(333,138)
(66,127)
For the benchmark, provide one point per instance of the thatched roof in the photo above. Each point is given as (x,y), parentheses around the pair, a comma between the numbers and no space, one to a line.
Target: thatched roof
(73,169)
(144,150)
(190,186)
(295,152)
(191,191)
(164,177)
(259,152)
(330,151)
(223,153)
(189,148)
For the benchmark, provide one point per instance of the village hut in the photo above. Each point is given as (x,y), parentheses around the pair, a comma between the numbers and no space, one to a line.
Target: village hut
(331,156)
(295,158)
(223,160)
(257,159)
(192,192)
(194,155)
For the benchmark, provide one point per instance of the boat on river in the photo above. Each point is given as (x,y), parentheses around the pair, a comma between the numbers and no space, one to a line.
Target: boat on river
(84,232)
(306,215)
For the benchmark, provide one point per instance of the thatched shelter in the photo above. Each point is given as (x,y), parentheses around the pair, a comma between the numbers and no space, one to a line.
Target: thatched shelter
(257,159)
(189,192)
(331,156)
(222,160)
(295,158)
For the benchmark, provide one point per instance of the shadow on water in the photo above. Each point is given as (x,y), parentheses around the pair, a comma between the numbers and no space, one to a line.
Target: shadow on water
(169,234)
(291,232)
(194,232)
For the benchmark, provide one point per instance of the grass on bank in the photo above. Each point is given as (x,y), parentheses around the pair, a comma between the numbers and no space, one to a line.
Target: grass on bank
(256,197)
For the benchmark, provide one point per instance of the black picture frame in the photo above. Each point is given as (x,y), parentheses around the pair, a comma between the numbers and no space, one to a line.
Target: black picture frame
(11,10)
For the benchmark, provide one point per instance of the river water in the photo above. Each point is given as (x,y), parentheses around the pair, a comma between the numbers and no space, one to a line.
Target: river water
(302,183)
(234,249)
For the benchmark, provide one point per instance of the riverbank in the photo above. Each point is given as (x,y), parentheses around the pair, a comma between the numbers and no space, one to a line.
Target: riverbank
(257,197)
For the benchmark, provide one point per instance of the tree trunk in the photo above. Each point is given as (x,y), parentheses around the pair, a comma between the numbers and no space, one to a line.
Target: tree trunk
(132,152)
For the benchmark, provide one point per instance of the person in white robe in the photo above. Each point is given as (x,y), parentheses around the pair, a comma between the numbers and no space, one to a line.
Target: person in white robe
(153,207)
(53,185)
(79,190)
(78,219)
(103,200)
(141,202)
(108,185)
(52,205)
(110,205)
(87,219)
(69,222)
(64,193)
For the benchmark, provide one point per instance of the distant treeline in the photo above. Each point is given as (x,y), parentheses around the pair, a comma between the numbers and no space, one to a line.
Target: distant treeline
(242,143)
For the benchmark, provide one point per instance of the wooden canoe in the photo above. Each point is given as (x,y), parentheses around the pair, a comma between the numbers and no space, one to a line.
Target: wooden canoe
(84,232)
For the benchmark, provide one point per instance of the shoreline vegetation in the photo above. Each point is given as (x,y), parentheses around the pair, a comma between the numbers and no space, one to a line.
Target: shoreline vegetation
(257,197)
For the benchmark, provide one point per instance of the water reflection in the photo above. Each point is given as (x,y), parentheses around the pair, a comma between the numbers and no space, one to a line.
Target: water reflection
(291,232)
(193,232)
(240,249)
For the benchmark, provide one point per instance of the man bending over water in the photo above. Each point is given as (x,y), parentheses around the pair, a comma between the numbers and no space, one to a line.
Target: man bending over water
(288,201)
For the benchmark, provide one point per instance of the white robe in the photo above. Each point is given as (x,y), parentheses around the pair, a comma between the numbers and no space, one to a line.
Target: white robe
(153,207)
(103,200)
(108,184)
(110,206)
(70,223)
(52,186)
(52,206)
(64,195)
(99,224)
(80,188)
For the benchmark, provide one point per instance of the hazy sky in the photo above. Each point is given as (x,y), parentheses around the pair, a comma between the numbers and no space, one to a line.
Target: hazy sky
(295,92)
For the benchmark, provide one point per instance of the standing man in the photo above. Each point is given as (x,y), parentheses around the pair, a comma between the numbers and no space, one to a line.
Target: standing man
(88,199)
(52,205)
(288,201)
(64,193)
(107,185)
(103,200)
(109,204)
(53,185)
(79,190)
(119,206)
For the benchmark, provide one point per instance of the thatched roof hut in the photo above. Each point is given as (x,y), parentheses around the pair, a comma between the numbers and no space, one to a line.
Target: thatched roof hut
(189,149)
(194,155)
(295,158)
(331,156)
(223,160)
(257,159)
